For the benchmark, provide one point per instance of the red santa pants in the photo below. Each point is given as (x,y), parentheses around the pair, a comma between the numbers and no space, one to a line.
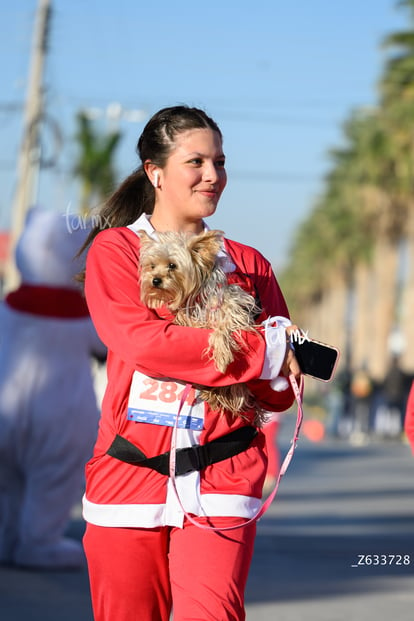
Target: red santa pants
(139,574)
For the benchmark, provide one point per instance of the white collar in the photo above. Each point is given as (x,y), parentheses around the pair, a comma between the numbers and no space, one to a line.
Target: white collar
(143,223)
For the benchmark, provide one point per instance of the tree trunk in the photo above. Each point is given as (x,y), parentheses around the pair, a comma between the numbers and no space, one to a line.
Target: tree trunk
(382,291)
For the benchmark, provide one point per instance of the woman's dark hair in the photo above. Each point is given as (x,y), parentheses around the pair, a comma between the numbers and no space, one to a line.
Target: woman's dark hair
(136,194)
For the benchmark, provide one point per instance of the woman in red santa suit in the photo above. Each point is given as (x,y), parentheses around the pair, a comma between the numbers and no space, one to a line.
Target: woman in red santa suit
(146,557)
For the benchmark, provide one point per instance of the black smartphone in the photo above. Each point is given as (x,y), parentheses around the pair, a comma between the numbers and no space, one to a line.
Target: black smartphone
(316,359)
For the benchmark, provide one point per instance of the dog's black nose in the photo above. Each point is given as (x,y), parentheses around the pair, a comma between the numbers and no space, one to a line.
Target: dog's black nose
(157,281)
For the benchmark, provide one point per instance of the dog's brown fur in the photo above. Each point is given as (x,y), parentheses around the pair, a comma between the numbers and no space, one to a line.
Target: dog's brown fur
(183,272)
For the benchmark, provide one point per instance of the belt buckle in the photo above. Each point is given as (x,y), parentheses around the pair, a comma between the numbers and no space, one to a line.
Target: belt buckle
(188,460)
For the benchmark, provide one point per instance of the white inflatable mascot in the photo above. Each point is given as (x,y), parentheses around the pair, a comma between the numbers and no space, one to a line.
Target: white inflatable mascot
(48,406)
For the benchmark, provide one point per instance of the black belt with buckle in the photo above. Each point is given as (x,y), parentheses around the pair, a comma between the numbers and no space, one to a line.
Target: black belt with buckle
(188,459)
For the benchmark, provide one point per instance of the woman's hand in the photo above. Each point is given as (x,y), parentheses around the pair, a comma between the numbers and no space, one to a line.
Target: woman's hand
(290,364)
(280,360)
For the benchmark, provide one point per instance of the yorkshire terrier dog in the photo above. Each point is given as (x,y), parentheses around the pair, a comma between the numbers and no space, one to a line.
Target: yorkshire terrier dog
(185,273)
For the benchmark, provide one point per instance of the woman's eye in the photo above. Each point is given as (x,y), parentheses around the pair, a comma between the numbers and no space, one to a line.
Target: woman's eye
(196,160)
(221,163)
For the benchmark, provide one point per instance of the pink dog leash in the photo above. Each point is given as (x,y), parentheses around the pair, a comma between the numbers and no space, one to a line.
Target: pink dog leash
(298,391)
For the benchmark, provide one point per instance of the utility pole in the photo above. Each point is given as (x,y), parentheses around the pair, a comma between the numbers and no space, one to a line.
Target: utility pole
(30,150)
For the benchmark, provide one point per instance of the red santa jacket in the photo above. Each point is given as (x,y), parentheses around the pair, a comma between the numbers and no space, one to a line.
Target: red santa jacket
(141,344)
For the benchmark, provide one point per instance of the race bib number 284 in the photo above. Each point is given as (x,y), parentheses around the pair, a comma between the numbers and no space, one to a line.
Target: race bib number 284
(157,401)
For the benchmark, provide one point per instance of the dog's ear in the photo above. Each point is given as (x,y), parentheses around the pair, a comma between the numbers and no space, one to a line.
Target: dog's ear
(145,239)
(205,247)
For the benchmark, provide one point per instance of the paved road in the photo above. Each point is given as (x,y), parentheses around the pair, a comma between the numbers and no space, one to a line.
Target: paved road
(336,504)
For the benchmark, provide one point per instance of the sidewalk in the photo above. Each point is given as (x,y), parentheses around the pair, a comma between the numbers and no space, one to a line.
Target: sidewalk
(336,504)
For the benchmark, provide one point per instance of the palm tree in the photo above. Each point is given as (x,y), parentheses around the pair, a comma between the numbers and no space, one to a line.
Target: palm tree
(339,231)
(366,209)
(397,101)
(398,77)
(334,246)
(94,166)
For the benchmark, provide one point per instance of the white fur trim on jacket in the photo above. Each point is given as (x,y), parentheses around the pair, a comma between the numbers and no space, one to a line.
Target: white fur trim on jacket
(275,334)
(154,515)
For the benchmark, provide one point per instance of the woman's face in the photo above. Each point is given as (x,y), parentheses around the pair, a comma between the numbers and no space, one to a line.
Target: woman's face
(193,178)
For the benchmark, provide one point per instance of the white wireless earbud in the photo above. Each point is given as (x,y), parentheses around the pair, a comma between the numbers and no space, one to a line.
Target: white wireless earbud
(156,179)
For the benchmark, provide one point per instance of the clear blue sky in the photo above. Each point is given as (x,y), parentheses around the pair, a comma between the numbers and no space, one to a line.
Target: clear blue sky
(280,78)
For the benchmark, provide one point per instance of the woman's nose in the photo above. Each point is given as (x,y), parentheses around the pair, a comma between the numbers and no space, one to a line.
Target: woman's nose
(210,172)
